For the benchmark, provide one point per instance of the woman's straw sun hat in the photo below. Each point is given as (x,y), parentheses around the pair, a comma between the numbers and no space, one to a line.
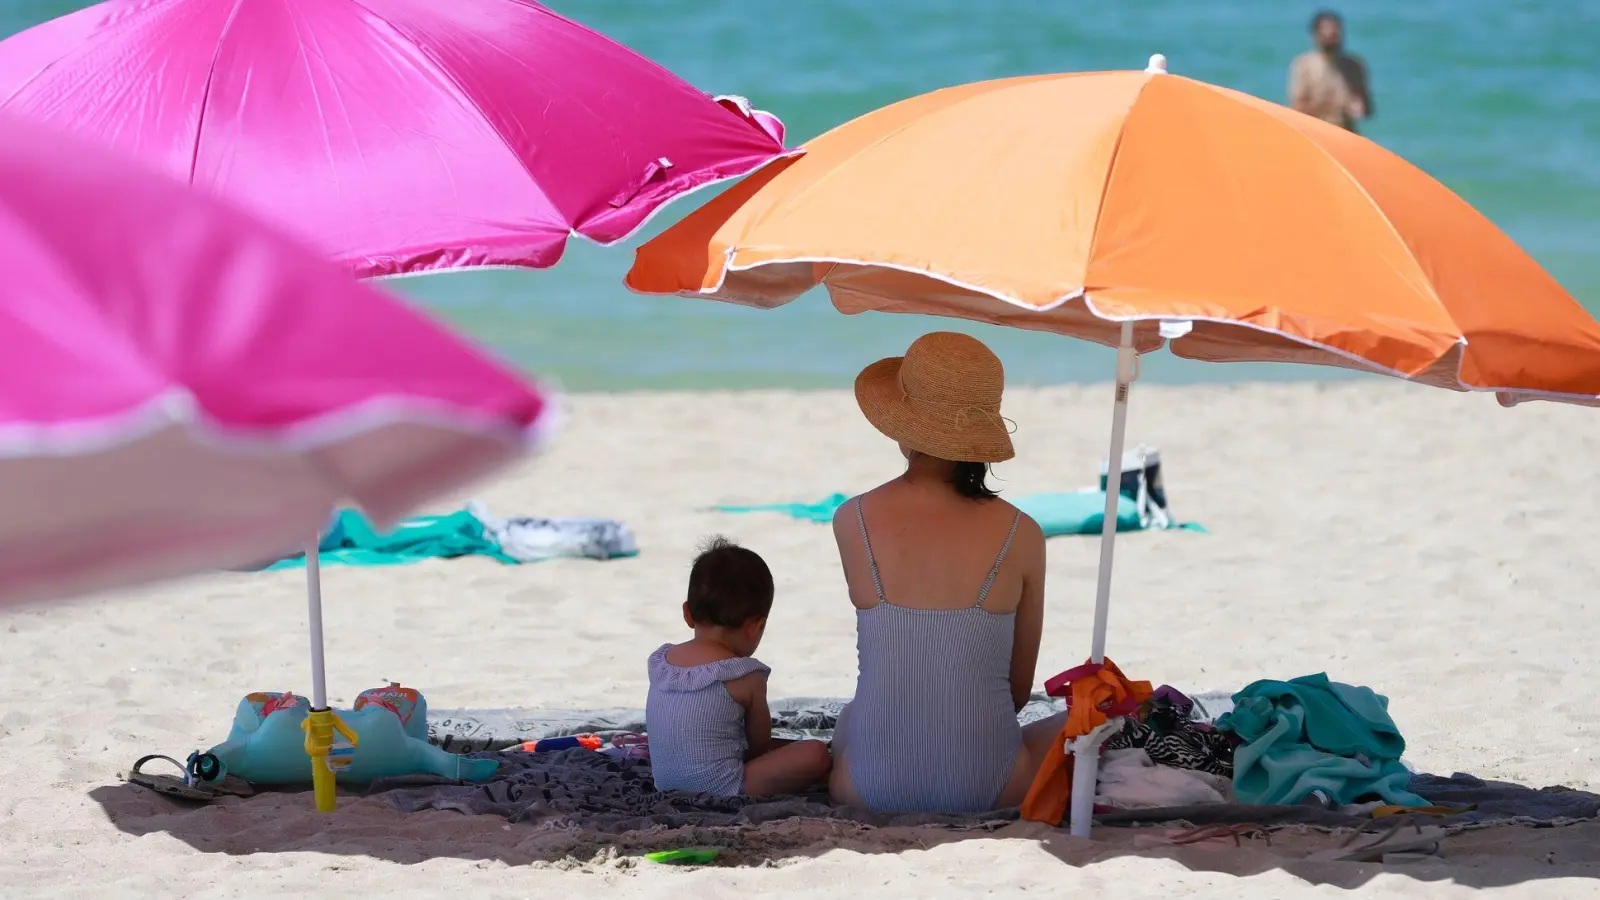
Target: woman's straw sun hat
(941,399)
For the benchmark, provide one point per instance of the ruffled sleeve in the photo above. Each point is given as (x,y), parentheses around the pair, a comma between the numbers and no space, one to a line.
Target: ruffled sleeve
(688,679)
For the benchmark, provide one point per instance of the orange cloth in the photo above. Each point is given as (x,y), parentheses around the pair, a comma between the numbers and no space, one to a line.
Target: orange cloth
(1092,695)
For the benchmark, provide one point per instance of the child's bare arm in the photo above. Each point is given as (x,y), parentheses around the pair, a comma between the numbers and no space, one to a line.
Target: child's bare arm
(750,692)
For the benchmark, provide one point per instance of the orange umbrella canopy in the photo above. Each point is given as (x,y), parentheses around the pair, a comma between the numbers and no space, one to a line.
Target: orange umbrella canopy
(1072,203)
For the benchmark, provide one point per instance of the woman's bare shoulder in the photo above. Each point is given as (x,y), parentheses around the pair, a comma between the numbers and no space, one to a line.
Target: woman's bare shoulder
(1026,525)
(845,518)
(1029,533)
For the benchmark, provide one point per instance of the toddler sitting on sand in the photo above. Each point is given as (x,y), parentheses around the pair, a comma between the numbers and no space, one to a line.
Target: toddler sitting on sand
(706,716)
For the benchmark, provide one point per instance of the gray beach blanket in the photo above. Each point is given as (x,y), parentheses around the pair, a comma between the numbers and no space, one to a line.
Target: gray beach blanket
(1497,802)
(609,793)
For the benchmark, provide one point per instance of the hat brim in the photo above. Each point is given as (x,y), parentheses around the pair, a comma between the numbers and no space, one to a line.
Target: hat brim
(979,439)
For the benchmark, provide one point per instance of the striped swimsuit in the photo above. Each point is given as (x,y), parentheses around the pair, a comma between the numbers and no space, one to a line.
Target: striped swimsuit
(932,727)
(696,729)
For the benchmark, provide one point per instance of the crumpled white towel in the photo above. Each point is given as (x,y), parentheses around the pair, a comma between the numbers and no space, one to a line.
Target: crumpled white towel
(528,539)
(1129,780)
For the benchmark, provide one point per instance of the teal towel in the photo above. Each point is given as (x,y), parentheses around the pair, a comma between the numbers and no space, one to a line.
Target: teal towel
(820,511)
(351,540)
(1311,734)
(1078,512)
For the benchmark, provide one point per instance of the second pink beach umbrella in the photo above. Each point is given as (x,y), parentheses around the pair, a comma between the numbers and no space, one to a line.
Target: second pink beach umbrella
(183,389)
(398,136)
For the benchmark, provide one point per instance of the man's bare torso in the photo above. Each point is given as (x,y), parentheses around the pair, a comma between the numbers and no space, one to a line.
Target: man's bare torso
(1329,86)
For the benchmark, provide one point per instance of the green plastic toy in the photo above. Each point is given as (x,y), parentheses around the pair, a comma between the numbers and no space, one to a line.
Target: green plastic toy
(695,856)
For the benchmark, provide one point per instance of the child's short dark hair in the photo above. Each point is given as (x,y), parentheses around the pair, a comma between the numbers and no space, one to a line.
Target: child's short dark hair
(1325,15)
(729,585)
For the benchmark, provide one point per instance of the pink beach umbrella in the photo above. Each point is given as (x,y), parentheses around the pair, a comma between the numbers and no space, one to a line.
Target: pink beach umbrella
(398,136)
(183,389)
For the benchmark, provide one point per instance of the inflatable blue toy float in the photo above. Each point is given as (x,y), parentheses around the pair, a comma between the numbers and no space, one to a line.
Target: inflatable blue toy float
(267,744)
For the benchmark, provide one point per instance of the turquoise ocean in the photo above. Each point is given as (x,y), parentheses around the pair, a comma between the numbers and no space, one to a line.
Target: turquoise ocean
(1499,99)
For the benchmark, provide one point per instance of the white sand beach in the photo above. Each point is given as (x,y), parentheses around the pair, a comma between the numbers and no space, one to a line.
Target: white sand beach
(1430,545)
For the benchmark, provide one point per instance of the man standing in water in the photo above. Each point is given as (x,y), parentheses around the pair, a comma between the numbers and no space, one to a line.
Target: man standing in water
(1327,82)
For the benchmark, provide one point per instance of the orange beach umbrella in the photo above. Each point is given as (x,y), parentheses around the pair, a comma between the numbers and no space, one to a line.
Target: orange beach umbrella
(1137,209)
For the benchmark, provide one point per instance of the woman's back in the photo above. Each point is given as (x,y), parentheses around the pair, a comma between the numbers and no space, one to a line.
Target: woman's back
(933,549)
(948,584)
(933,724)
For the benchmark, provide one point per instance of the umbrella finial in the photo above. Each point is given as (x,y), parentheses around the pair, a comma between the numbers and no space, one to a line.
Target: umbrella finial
(1158,64)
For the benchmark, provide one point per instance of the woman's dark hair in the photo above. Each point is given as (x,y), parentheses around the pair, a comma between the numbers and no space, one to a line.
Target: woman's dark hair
(729,586)
(971,480)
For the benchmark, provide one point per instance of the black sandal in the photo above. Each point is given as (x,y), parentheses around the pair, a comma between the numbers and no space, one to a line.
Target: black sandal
(190,785)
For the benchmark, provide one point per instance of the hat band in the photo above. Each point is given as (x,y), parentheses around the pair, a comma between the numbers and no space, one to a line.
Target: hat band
(963,413)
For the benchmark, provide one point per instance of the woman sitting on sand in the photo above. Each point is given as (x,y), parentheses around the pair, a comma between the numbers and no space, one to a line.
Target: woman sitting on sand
(948,584)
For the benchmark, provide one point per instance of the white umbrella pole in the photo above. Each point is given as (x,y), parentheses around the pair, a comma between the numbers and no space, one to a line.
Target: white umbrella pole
(1086,749)
(319,678)
(1127,372)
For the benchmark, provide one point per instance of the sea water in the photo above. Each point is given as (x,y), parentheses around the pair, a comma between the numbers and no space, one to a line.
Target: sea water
(1499,99)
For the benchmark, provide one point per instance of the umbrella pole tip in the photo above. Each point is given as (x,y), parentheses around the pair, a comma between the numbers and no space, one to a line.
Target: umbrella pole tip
(1158,64)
